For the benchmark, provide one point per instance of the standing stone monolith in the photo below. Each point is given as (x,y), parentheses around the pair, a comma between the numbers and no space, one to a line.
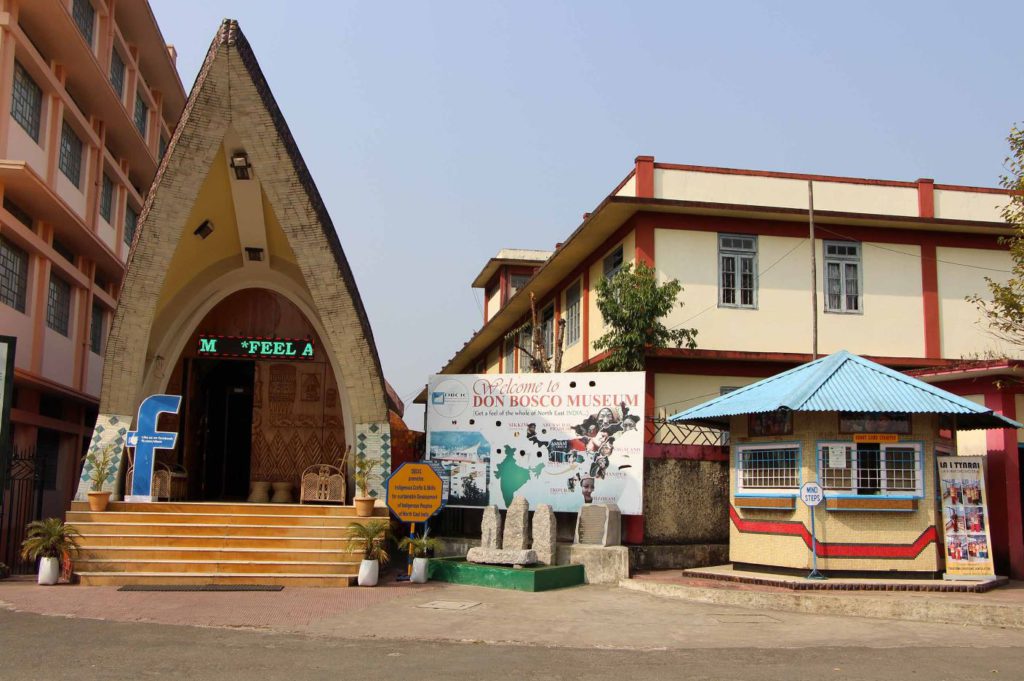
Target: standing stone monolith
(517,525)
(545,532)
(490,528)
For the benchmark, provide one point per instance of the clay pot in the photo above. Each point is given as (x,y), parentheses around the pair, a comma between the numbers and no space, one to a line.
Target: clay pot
(364,506)
(98,501)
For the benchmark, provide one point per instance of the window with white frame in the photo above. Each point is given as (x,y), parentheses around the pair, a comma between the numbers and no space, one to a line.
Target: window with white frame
(516,282)
(871,469)
(737,264)
(70,160)
(613,263)
(26,101)
(547,329)
(572,315)
(768,468)
(525,344)
(842,277)
(509,362)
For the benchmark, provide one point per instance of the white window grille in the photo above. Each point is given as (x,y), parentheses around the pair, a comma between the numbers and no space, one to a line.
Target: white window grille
(525,345)
(547,329)
(768,469)
(843,283)
(572,315)
(737,258)
(509,366)
(613,263)
(871,469)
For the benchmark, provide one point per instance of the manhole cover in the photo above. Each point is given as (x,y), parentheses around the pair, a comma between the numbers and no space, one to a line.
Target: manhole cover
(744,619)
(449,605)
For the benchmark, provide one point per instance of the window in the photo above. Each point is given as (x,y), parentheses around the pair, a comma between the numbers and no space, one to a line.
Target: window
(13,275)
(70,162)
(525,341)
(516,282)
(96,329)
(26,101)
(768,469)
(64,251)
(131,221)
(161,148)
(870,469)
(117,73)
(737,263)
(613,263)
(842,277)
(58,305)
(107,199)
(18,212)
(547,329)
(509,366)
(85,17)
(141,115)
(572,315)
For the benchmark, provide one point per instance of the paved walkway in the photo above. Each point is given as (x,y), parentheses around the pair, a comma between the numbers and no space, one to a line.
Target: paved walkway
(584,617)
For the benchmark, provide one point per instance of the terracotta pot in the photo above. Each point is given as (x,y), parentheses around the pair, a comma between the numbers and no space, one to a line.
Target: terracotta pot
(98,501)
(364,506)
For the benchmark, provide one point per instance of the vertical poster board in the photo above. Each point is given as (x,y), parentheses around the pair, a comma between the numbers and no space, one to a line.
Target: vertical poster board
(7,346)
(561,439)
(965,518)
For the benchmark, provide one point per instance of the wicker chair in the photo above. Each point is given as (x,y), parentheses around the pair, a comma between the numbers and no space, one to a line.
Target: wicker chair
(324,483)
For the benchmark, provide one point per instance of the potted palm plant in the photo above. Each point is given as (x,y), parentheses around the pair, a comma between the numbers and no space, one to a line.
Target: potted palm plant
(102,461)
(372,538)
(420,547)
(49,540)
(363,502)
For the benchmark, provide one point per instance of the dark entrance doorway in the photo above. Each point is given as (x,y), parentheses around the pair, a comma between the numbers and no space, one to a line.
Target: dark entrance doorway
(225,390)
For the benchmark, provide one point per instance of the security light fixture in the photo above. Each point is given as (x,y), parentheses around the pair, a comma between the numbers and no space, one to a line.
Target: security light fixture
(204,230)
(240,162)
(254,254)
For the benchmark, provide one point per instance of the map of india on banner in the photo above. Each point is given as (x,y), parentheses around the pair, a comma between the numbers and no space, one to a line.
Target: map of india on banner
(559,439)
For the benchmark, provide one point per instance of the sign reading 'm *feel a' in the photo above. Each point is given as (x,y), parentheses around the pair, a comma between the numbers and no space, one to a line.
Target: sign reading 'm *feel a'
(255,347)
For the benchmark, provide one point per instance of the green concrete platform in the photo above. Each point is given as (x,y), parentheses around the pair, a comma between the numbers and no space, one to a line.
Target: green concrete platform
(539,578)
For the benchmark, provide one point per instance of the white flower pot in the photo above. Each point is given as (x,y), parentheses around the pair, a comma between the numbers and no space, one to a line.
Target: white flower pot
(368,573)
(419,570)
(49,571)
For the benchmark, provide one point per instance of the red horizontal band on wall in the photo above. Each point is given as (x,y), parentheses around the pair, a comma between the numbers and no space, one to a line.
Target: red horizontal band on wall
(795,528)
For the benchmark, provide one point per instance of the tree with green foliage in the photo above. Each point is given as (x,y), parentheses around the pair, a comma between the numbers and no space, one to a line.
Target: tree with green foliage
(1005,311)
(633,304)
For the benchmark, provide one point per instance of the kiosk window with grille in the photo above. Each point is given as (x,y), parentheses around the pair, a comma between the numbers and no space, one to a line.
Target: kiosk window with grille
(768,468)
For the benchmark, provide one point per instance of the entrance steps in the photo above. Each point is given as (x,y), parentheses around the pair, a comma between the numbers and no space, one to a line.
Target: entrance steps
(181,543)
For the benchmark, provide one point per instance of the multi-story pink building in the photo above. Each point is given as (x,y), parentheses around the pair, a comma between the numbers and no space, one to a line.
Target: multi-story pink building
(89,96)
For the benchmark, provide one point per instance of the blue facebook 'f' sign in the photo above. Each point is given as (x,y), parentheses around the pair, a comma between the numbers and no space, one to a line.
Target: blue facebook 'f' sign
(147,439)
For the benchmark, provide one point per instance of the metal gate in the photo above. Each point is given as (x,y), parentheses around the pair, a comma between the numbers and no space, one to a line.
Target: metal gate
(21,502)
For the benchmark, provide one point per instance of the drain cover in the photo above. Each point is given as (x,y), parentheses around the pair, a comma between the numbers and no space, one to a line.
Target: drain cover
(449,605)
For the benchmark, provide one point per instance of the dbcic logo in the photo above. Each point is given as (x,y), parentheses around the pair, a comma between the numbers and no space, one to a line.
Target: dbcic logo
(449,398)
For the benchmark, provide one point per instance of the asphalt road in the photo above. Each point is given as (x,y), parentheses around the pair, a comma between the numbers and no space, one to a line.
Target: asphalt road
(48,648)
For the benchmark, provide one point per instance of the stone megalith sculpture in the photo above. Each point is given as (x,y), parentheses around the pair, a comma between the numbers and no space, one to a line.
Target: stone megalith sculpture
(545,532)
(599,524)
(490,528)
(517,525)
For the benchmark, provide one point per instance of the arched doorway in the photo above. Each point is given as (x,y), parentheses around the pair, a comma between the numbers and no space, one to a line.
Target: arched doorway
(260,399)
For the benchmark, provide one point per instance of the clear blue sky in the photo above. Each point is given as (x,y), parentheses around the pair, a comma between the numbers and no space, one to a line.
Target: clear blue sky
(439,133)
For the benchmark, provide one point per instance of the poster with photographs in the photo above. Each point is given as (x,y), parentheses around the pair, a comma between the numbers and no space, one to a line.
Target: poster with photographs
(562,439)
(965,517)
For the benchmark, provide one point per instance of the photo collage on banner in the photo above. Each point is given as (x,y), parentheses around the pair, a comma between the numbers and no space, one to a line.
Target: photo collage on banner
(561,439)
(965,517)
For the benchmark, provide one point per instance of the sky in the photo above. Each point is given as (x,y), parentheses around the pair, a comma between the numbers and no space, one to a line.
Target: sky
(439,133)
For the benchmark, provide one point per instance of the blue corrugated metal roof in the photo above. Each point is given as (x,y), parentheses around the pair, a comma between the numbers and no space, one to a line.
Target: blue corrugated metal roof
(844,382)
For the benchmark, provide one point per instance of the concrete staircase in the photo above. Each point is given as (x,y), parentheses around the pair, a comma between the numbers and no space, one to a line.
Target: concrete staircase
(181,543)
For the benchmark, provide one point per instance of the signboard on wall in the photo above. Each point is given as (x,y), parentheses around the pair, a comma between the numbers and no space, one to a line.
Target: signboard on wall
(561,439)
(253,347)
(965,517)
(7,345)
